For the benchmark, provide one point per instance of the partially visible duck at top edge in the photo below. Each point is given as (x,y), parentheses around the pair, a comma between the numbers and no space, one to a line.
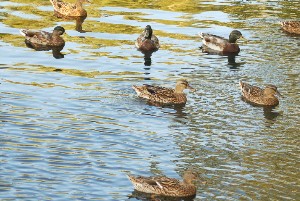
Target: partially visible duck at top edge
(70,9)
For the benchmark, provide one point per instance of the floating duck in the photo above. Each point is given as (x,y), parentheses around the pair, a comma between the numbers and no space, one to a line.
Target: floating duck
(166,186)
(259,96)
(291,26)
(147,41)
(70,9)
(164,95)
(221,44)
(44,38)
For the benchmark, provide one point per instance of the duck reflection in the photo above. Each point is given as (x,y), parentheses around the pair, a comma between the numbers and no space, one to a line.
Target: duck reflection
(233,65)
(147,63)
(147,57)
(137,195)
(267,110)
(269,113)
(56,50)
(78,20)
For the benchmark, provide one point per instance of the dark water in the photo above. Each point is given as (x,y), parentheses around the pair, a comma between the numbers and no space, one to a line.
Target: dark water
(72,128)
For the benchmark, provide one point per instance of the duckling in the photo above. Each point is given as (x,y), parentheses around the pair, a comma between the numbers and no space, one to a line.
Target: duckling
(147,41)
(291,26)
(166,186)
(164,95)
(221,44)
(258,96)
(70,9)
(38,37)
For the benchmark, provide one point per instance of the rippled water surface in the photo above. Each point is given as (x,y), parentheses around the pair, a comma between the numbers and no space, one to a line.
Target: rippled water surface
(72,128)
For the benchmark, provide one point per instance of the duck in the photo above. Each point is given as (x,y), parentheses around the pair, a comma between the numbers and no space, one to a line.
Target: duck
(44,38)
(164,95)
(70,9)
(291,26)
(220,44)
(147,41)
(166,186)
(259,96)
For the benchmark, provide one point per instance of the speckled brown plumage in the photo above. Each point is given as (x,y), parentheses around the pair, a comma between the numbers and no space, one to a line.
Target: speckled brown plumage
(162,94)
(291,26)
(259,96)
(69,9)
(220,44)
(39,38)
(147,41)
(166,186)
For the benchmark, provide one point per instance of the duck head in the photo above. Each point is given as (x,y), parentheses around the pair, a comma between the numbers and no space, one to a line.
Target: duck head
(60,30)
(189,177)
(148,32)
(234,35)
(271,90)
(182,85)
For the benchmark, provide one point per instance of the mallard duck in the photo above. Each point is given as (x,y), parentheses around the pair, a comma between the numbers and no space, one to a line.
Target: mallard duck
(147,41)
(44,38)
(291,26)
(164,95)
(221,44)
(258,96)
(166,186)
(69,9)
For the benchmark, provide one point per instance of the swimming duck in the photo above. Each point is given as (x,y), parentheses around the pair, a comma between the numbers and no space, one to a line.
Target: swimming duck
(221,44)
(291,26)
(147,41)
(166,186)
(38,37)
(258,96)
(164,95)
(69,9)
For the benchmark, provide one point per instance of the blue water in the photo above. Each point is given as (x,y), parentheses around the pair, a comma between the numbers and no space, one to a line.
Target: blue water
(72,128)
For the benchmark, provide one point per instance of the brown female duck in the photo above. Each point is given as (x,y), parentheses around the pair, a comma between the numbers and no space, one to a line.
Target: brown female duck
(258,96)
(291,26)
(43,38)
(147,41)
(220,44)
(69,9)
(166,186)
(164,95)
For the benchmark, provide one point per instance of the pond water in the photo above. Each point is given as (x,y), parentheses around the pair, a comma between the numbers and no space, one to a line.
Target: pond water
(72,128)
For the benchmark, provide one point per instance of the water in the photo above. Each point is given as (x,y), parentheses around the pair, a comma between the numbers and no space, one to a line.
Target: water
(72,128)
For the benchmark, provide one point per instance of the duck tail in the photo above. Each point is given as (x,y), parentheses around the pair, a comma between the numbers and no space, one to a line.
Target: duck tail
(242,84)
(23,32)
(136,89)
(201,35)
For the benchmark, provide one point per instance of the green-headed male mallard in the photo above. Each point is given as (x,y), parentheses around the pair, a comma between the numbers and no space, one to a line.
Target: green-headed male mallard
(166,186)
(221,44)
(44,38)
(164,95)
(69,9)
(291,26)
(147,41)
(258,96)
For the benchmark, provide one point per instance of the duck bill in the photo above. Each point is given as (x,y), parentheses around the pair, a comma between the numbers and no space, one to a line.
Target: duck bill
(191,88)
(278,94)
(243,38)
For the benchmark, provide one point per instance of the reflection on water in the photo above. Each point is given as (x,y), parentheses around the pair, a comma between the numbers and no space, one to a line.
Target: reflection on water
(78,20)
(147,58)
(56,50)
(145,196)
(71,128)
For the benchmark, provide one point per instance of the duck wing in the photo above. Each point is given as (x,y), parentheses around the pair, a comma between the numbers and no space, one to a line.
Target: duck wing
(214,42)
(250,90)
